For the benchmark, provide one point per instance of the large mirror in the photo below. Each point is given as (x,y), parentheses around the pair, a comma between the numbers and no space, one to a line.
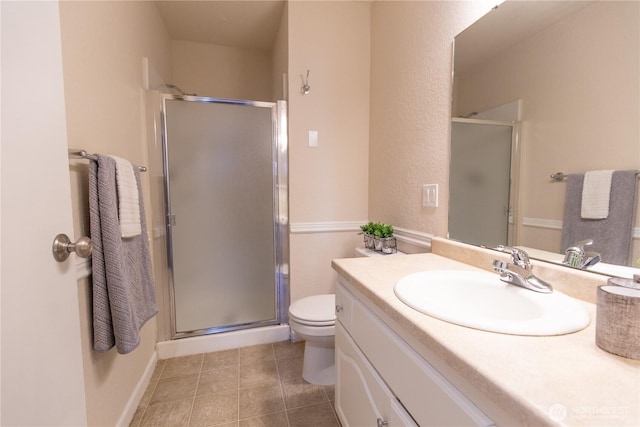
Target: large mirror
(565,76)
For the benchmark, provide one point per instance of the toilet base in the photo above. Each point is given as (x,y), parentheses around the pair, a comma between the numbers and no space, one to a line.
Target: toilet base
(318,363)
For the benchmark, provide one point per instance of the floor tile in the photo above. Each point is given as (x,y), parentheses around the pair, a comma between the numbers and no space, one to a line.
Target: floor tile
(290,367)
(175,389)
(277,419)
(255,353)
(220,359)
(169,414)
(217,381)
(214,409)
(261,372)
(286,349)
(180,366)
(298,393)
(260,400)
(317,415)
(254,386)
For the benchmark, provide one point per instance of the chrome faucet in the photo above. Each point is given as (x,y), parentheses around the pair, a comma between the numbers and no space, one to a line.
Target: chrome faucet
(519,272)
(576,256)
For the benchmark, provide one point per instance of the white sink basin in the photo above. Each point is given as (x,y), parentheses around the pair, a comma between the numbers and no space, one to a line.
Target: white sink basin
(480,300)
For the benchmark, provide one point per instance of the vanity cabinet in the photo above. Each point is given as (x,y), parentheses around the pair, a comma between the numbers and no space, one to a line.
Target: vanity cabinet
(381,380)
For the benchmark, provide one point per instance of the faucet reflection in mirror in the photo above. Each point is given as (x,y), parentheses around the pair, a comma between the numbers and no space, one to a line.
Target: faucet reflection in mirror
(565,123)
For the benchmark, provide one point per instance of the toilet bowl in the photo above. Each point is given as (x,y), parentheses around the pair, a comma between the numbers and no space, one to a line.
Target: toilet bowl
(313,319)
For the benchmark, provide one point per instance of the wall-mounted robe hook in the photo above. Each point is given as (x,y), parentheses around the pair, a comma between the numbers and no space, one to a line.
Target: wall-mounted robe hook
(305,85)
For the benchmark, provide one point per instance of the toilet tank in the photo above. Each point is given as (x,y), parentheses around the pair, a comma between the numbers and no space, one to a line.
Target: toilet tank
(361,252)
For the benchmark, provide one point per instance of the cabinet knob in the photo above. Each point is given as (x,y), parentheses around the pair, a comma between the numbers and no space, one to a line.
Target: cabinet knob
(339,308)
(382,423)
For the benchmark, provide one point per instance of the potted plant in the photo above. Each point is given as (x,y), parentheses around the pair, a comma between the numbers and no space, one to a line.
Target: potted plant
(368,232)
(379,237)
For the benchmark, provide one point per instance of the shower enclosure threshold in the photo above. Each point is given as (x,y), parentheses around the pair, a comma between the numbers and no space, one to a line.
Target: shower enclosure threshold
(224,341)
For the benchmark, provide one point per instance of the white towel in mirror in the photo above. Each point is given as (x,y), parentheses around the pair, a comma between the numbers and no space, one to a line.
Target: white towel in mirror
(596,191)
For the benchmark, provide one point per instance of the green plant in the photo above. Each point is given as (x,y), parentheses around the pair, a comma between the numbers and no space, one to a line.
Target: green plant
(377,229)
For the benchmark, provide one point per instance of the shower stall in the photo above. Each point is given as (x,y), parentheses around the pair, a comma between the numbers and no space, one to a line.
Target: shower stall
(226,198)
(483,181)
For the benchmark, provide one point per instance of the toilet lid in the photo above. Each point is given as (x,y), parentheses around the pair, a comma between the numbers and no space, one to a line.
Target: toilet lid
(314,310)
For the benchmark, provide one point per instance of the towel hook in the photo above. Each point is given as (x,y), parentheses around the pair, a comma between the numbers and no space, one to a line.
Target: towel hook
(62,247)
(305,85)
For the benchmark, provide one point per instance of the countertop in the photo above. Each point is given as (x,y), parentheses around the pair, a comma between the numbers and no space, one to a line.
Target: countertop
(555,380)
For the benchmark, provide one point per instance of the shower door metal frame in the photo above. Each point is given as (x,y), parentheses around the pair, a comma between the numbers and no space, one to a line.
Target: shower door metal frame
(280,212)
(514,175)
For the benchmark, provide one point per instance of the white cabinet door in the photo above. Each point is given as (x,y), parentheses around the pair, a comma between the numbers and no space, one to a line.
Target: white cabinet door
(362,398)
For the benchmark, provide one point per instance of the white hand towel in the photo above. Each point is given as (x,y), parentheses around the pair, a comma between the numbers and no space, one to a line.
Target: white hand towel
(128,199)
(596,190)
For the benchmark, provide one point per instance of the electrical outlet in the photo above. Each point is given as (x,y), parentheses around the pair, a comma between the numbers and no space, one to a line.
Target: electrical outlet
(430,195)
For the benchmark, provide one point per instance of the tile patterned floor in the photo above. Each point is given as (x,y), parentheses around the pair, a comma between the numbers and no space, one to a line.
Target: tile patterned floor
(253,386)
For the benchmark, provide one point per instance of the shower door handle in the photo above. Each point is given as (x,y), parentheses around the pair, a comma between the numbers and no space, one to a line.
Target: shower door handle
(171,220)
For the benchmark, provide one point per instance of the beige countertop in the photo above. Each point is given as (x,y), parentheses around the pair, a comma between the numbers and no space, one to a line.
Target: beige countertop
(555,380)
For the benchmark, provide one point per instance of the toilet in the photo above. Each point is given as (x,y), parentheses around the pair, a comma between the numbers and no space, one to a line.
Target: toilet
(313,319)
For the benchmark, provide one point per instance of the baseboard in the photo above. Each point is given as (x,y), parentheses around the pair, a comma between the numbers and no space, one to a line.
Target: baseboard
(223,341)
(135,398)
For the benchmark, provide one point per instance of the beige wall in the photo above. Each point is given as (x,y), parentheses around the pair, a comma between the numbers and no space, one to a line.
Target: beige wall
(103,44)
(280,57)
(579,87)
(221,71)
(327,184)
(411,51)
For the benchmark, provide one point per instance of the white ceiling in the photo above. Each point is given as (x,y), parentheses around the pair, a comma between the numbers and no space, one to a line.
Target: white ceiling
(509,24)
(247,24)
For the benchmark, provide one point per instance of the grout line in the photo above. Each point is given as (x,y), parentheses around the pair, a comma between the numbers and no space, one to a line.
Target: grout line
(195,392)
(284,402)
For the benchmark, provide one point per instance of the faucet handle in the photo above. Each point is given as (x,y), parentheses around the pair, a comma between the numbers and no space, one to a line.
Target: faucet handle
(519,256)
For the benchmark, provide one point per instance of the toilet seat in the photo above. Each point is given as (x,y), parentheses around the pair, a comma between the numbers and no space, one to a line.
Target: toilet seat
(316,310)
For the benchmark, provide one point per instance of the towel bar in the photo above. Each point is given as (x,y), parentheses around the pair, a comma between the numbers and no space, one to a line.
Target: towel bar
(82,154)
(560,176)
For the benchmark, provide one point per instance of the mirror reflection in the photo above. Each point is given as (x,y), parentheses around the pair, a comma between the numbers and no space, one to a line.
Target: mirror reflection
(565,74)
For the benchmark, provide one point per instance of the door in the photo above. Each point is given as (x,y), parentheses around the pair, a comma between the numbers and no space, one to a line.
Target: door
(479,182)
(220,159)
(41,361)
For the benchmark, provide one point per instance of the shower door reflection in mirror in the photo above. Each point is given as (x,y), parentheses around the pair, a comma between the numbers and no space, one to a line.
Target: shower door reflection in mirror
(221,182)
(479,181)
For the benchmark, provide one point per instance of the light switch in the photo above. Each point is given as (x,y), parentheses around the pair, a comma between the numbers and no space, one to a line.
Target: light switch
(313,138)
(430,195)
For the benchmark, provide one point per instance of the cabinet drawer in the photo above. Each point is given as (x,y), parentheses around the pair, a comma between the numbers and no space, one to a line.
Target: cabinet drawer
(427,395)
(362,397)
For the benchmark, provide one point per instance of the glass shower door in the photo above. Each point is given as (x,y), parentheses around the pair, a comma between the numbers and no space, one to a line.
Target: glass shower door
(219,161)
(479,182)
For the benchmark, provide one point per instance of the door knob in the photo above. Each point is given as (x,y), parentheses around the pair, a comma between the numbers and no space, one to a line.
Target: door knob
(62,247)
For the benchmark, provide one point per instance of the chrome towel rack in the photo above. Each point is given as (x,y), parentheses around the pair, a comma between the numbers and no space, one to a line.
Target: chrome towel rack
(74,153)
(560,176)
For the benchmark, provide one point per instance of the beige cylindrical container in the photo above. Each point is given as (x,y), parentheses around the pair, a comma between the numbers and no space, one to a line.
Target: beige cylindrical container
(618,320)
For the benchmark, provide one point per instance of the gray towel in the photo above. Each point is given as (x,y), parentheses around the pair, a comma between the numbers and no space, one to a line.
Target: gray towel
(611,236)
(123,291)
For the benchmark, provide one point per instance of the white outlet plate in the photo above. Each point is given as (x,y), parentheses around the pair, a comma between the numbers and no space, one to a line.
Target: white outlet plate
(430,195)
